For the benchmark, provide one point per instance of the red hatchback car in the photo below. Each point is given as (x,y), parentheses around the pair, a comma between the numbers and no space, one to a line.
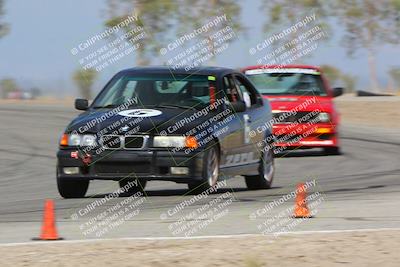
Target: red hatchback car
(301,101)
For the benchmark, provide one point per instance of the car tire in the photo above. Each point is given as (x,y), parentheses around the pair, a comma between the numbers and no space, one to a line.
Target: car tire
(266,172)
(210,173)
(69,188)
(332,150)
(139,187)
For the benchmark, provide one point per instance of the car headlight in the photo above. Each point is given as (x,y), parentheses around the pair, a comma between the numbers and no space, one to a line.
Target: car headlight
(88,140)
(324,117)
(74,140)
(175,141)
(78,140)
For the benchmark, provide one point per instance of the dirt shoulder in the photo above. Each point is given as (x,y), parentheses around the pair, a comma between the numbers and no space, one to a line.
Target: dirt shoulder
(370,111)
(368,248)
(367,111)
(42,101)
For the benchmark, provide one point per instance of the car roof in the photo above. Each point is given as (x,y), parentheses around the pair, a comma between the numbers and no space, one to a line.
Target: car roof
(281,67)
(203,70)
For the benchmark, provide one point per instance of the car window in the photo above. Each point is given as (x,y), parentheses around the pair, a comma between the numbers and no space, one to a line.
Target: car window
(148,90)
(129,91)
(271,82)
(231,89)
(246,90)
(170,87)
(114,97)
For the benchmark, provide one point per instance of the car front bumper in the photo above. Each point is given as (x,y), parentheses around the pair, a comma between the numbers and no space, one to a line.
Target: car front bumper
(122,164)
(305,135)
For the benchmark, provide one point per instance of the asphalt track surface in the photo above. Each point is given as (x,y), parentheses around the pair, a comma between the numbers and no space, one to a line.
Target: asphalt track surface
(359,189)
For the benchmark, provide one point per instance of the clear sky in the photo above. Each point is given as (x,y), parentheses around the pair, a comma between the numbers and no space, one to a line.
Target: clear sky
(37,50)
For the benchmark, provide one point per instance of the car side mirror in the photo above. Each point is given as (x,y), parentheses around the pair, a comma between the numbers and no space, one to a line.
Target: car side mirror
(238,106)
(337,91)
(81,104)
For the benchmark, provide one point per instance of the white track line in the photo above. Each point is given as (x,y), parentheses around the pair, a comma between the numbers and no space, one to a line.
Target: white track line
(196,237)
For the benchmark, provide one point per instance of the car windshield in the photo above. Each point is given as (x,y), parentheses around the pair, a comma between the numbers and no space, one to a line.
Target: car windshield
(277,83)
(180,91)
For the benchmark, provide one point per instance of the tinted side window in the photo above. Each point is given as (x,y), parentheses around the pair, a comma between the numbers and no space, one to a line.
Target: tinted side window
(246,89)
(231,89)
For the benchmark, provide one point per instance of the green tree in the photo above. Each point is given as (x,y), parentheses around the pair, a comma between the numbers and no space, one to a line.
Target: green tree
(282,14)
(335,76)
(3,26)
(288,12)
(369,24)
(153,15)
(394,73)
(7,85)
(193,14)
(332,73)
(84,79)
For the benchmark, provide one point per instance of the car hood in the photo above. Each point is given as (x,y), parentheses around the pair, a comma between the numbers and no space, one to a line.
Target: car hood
(302,103)
(152,121)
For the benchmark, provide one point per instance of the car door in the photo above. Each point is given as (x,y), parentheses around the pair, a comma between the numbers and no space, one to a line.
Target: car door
(253,118)
(232,145)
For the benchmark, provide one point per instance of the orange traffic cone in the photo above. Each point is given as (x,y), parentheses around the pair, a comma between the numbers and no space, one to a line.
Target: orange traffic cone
(301,210)
(49,231)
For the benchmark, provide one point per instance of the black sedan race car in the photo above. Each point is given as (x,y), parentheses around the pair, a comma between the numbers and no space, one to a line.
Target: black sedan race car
(158,123)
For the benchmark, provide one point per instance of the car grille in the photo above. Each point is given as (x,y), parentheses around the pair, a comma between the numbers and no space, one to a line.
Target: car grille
(123,142)
(111,141)
(133,142)
(121,168)
(299,117)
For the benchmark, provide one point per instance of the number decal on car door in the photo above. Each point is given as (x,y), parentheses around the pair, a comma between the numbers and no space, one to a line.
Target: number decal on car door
(246,119)
(239,159)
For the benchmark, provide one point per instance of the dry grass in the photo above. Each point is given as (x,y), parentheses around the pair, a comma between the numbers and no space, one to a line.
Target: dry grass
(370,112)
(376,111)
(378,248)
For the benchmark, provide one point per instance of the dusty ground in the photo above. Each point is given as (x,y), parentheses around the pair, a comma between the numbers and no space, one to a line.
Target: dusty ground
(375,111)
(368,111)
(378,248)
(48,100)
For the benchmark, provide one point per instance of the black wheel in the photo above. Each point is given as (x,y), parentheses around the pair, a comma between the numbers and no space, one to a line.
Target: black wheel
(210,170)
(69,188)
(136,185)
(332,150)
(266,172)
